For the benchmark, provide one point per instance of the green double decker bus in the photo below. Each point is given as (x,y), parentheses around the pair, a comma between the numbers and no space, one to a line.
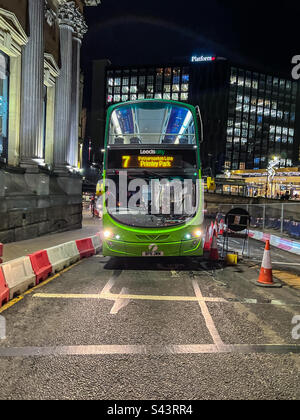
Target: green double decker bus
(152,188)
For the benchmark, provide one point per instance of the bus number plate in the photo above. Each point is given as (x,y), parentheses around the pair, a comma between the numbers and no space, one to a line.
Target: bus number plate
(153,254)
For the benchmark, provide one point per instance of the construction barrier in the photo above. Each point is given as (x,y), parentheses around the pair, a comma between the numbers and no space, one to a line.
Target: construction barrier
(281,243)
(97,243)
(4,290)
(72,252)
(19,276)
(85,247)
(58,258)
(41,265)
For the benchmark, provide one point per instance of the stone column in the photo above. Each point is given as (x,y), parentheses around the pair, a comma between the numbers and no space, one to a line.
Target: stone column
(31,129)
(80,28)
(62,131)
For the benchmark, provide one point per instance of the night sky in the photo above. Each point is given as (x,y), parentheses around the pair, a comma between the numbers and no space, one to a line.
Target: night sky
(255,33)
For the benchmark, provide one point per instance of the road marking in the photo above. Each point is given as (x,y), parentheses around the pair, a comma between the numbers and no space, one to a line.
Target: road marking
(288,278)
(121,302)
(285,263)
(207,316)
(109,285)
(111,296)
(146,350)
(33,289)
(123,296)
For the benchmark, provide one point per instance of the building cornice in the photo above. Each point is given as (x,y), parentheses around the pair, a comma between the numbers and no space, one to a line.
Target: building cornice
(80,27)
(69,15)
(92,2)
(12,35)
(51,70)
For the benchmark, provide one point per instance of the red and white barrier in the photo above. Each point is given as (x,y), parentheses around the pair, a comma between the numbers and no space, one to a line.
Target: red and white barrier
(19,276)
(276,241)
(72,252)
(97,243)
(58,258)
(85,247)
(4,290)
(41,265)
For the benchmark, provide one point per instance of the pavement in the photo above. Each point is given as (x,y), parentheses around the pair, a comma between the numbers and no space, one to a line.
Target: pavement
(154,329)
(90,226)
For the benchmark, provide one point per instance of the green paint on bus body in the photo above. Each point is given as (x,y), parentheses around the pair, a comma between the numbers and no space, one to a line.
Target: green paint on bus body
(128,244)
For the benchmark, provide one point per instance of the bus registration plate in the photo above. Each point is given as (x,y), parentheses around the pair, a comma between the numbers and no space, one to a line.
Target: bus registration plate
(153,252)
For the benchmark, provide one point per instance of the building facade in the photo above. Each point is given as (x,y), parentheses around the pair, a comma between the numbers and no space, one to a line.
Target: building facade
(249,116)
(40,187)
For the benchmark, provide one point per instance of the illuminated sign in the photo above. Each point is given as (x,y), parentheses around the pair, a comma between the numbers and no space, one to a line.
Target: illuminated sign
(152,152)
(152,162)
(202,58)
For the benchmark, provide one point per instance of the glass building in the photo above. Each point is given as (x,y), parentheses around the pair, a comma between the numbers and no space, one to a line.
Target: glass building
(249,116)
(153,83)
(261,120)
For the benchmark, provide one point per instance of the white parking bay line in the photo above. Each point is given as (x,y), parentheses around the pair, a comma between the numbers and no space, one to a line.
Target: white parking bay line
(98,350)
(207,316)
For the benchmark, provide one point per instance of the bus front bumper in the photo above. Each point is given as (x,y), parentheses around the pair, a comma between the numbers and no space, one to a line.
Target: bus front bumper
(114,248)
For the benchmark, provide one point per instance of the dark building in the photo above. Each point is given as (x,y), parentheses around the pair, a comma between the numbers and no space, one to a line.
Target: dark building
(249,116)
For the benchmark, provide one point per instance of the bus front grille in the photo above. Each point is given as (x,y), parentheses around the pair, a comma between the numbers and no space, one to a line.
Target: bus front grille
(147,238)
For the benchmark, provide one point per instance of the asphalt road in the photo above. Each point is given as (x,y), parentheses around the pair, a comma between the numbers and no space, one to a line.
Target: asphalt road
(153,329)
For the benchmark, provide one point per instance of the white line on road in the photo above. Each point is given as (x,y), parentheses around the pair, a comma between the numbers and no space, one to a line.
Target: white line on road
(207,316)
(99,350)
(120,303)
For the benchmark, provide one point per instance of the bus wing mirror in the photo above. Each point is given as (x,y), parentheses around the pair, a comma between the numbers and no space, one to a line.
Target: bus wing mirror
(201,124)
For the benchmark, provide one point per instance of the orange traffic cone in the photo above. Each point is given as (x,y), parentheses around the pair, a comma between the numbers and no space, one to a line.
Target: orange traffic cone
(214,254)
(266,276)
(207,242)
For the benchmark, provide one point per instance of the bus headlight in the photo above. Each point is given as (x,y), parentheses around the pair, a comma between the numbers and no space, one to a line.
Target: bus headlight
(198,233)
(107,234)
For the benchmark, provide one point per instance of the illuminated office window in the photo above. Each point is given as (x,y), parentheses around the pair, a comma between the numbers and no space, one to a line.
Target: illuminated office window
(261,113)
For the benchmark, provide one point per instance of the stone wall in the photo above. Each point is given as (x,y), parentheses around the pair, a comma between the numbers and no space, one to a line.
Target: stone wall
(32,205)
(21,224)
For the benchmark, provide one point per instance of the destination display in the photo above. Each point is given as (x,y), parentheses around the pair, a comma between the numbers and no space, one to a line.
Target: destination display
(151,162)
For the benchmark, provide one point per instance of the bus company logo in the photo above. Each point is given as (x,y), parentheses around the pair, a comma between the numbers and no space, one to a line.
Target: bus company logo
(152,152)
(153,248)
